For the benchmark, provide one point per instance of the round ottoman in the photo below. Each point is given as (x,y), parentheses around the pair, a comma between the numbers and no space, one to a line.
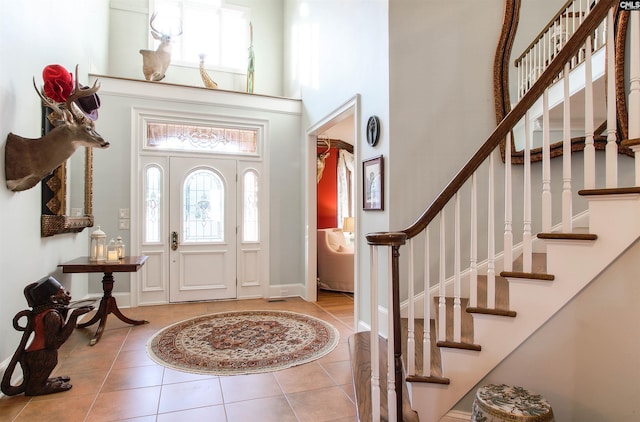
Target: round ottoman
(496,403)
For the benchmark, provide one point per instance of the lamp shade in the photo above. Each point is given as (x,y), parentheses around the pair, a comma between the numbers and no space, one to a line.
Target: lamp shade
(348,224)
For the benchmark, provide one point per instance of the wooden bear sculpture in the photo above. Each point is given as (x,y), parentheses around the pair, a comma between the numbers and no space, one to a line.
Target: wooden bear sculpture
(48,325)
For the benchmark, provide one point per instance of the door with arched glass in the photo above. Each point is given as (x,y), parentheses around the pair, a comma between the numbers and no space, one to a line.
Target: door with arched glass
(202,197)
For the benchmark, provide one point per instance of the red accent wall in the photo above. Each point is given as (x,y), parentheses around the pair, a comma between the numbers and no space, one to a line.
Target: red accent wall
(328,191)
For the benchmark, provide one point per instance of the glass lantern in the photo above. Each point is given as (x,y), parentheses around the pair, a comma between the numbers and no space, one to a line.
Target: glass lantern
(112,251)
(97,249)
(120,245)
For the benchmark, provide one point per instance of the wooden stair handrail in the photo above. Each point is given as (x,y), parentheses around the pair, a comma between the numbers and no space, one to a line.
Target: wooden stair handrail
(590,23)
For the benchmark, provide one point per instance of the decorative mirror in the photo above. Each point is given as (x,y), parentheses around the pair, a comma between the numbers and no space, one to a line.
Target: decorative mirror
(502,71)
(67,193)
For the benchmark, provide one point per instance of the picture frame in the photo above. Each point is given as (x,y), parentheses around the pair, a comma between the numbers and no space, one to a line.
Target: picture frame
(373,184)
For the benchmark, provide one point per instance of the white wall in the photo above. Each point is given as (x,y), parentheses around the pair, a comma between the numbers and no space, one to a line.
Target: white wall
(336,49)
(34,34)
(129,32)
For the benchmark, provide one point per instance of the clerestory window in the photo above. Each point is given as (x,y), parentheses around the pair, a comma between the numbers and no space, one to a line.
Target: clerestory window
(213,28)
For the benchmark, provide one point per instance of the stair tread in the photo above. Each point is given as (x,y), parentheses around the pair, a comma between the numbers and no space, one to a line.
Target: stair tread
(538,268)
(609,191)
(575,235)
(360,354)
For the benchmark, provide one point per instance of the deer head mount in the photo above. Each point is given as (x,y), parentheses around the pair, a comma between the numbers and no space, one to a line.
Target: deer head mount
(155,62)
(320,160)
(29,160)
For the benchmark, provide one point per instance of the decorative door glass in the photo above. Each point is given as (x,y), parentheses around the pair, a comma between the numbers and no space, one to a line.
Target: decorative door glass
(250,207)
(153,197)
(203,207)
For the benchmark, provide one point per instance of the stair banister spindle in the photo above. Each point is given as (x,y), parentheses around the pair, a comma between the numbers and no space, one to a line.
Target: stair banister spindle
(508,209)
(634,89)
(391,373)
(426,335)
(473,242)
(589,148)
(567,211)
(546,165)
(457,305)
(375,351)
(491,239)
(442,304)
(526,219)
(411,345)
(611,150)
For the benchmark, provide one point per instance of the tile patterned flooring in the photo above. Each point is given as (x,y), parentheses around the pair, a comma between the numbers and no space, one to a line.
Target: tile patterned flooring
(116,381)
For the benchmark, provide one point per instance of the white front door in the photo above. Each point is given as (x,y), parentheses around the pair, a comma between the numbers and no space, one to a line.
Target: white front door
(202,228)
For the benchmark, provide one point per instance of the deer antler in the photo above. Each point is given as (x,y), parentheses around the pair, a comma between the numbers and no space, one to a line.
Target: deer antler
(79,93)
(160,33)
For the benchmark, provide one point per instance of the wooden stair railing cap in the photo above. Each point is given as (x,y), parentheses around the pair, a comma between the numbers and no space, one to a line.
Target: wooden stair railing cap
(390,239)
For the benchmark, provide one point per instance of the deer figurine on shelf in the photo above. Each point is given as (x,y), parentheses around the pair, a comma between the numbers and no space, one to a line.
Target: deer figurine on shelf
(27,160)
(155,62)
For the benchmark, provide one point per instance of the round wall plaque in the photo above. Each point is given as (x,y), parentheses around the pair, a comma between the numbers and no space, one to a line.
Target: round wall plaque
(373,130)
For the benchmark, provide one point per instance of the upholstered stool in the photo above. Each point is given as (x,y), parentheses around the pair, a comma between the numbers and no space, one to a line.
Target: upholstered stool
(497,403)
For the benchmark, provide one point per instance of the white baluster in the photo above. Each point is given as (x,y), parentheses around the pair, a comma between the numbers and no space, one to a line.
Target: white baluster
(375,351)
(566,155)
(491,239)
(426,335)
(391,372)
(473,241)
(546,165)
(611,150)
(508,208)
(411,345)
(589,148)
(442,304)
(457,305)
(526,220)
(634,87)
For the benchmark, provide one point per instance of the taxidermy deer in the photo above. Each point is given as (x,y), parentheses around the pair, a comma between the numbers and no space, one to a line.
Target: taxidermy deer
(320,160)
(155,63)
(27,160)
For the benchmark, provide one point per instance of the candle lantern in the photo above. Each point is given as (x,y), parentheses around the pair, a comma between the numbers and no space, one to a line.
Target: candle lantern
(112,251)
(120,245)
(97,249)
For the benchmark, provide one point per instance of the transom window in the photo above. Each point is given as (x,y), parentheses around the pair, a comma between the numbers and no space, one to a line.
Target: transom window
(214,28)
(202,138)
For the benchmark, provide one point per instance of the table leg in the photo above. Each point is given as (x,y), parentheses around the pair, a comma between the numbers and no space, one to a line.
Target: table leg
(108,305)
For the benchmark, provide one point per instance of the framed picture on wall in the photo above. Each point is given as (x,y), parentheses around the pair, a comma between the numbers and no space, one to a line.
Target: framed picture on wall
(373,184)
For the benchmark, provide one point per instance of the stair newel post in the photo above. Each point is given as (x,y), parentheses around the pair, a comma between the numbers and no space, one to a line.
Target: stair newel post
(392,241)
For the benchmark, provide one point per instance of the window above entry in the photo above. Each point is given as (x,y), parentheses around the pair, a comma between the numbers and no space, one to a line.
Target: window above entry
(213,28)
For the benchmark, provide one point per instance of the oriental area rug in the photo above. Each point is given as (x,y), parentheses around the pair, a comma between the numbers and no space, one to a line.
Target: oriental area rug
(242,342)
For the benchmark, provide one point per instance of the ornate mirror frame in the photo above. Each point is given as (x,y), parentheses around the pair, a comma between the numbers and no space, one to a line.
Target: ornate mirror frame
(501,85)
(54,219)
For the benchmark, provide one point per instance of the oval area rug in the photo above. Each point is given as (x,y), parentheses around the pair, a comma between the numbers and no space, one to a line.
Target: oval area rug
(242,342)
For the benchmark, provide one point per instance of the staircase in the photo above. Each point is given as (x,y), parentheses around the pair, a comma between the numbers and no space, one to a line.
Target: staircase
(480,315)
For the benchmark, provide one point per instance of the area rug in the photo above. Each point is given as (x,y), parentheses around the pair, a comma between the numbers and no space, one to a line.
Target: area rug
(242,342)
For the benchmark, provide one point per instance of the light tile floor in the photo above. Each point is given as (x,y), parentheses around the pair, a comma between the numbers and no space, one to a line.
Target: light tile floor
(115,380)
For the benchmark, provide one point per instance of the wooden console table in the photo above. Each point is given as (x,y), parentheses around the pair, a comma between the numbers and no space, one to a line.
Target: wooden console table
(108,304)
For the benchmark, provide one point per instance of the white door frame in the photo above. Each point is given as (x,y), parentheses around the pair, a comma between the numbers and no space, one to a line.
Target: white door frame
(351,108)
